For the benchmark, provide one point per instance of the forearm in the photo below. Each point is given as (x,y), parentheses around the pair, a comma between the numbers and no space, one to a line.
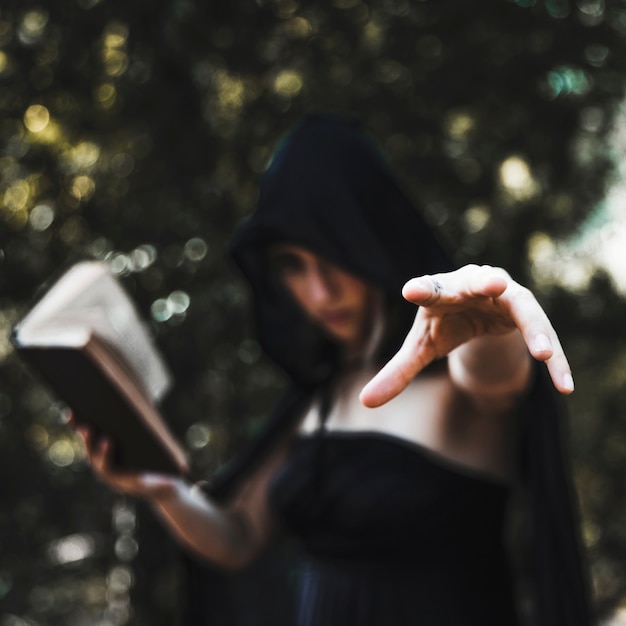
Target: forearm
(492,365)
(229,536)
(223,536)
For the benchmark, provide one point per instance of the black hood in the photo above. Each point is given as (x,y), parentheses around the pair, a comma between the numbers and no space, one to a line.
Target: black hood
(329,189)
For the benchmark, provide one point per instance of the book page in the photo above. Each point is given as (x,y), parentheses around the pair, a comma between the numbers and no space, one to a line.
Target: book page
(89,299)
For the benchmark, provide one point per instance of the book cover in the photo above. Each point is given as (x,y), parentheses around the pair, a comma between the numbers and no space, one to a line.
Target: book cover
(87,342)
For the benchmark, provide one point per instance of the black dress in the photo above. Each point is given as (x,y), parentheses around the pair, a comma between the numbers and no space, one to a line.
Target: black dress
(394,535)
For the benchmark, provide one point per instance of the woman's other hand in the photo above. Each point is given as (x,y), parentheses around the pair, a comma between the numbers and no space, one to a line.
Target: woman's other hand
(229,536)
(456,307)
(148,485)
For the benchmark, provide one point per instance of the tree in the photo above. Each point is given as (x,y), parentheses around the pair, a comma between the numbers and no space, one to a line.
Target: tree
(137,133)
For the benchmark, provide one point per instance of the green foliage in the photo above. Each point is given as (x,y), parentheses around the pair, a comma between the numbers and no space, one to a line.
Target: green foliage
(136,132)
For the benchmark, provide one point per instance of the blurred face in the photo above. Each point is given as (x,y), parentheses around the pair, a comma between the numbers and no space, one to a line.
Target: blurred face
(341,304)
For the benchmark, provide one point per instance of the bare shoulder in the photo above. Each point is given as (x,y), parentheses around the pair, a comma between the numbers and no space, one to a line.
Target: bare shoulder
(471,429)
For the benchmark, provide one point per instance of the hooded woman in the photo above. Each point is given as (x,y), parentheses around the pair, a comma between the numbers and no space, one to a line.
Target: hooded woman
(395,481)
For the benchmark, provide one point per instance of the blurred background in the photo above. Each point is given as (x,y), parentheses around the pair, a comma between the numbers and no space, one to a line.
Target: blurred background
(136,132)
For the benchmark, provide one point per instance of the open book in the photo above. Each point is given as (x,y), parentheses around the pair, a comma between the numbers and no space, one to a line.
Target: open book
(86,340)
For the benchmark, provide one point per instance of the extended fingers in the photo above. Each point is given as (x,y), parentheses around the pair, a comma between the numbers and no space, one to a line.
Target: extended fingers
(552,355)
(423,290)
(143,484)
(101,451)
(492,301)
(469,281)
(388,383)
(487,281)
(399,371)
(539,334)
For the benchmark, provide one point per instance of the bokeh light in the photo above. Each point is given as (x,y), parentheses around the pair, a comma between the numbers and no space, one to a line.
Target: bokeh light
(477,218)
(81,157)
(126,548)
(36,118)
(14,207)
(71,549)
(288,83)
(32,26)
(120,580)
(568,81)
(37,437)
(517,179)
(601,241)
(196,249)
(82,187)
(141,258)
(114,57)
(172,308)
(460,124)
(41,217)
(105,95)
(61,453)
(198,436)
(230,92)
(4,63)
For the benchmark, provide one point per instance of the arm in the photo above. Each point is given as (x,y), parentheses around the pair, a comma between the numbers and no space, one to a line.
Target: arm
(486,323)
(229,536)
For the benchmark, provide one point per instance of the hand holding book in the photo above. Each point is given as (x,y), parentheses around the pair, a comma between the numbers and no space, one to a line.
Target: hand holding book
(101,454)
(86,340)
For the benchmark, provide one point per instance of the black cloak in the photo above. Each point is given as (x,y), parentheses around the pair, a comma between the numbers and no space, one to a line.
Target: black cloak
(329,189)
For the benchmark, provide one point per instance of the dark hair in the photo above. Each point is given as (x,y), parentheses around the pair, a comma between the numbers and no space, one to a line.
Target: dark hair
(396,312)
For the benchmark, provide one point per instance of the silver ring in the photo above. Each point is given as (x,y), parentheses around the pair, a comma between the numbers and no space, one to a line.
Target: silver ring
(436,284)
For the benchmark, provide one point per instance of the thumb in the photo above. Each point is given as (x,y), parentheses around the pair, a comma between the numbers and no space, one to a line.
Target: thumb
(155,486)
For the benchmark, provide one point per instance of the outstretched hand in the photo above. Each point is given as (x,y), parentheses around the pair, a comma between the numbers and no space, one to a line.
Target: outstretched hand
(458,306)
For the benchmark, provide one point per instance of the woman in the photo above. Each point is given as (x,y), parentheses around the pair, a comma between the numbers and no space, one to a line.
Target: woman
(397,488)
